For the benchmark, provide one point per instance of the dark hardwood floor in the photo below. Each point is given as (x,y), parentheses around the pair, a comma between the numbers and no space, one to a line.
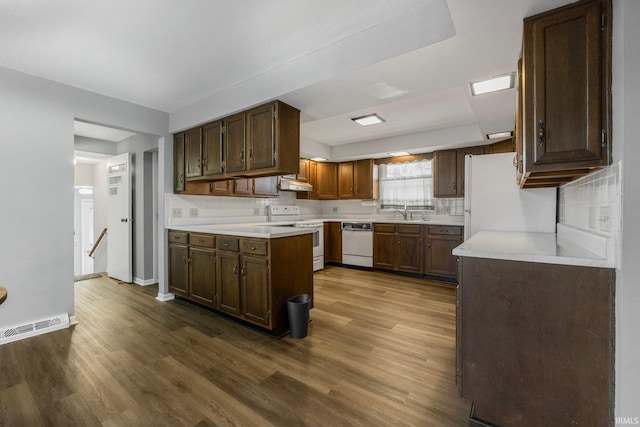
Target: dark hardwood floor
(380,352)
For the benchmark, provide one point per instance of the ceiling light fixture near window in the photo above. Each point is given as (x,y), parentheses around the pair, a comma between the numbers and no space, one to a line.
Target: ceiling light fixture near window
(318,159)
(497,135)
(399,153)
(494,84)
(369,119)
(85,190)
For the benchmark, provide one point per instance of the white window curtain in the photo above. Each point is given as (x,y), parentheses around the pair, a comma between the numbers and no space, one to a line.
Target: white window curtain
(406,185)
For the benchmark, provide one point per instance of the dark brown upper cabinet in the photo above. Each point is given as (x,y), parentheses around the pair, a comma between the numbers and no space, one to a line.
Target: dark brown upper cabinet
(234,138)
(193,152)
(566,92)
(179,184)
(448,171)
(345,180)
(212,160)
(327,180)
(363,179)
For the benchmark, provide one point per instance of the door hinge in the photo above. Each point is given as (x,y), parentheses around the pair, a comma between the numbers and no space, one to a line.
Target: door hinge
(268,315)
(603,138)
(603,21)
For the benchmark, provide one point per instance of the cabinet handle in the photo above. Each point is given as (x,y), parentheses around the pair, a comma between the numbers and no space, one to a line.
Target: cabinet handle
(242,155)
(204,163)
(242,272)
(226,245)
(253,248)
(235,270)
(250,153)
(184,259)
(541,133)
(188,260)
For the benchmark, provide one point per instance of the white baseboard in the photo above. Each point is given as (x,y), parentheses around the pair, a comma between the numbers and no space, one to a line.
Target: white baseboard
(165,297)
(33,328)
(144,282)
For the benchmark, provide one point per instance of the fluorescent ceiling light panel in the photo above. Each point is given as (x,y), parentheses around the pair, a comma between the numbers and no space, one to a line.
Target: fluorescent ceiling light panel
(497,135)
(370,119)
(318,159)
(399,153)
(494,84)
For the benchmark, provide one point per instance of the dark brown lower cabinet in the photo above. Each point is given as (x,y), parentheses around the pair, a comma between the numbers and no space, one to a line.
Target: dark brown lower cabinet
(441,240)
(397,247)
(333,242)
(535,342)
(247,278)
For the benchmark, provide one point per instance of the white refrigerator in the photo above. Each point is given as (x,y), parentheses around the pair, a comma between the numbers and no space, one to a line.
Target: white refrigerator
(494,202)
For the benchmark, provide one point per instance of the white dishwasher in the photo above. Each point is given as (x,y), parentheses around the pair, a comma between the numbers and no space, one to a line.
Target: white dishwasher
(357,244)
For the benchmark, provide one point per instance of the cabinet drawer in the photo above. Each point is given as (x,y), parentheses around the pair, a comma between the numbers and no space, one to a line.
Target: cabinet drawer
(229,243)
(258,247)
(178,236)
(384,228)
(204,240)
(408,228)
(442,229)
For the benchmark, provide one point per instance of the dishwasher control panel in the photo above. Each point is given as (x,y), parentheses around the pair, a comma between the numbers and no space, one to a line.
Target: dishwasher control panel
(357,226)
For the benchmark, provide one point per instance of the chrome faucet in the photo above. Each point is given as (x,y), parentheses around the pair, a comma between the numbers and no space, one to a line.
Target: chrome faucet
(403,212)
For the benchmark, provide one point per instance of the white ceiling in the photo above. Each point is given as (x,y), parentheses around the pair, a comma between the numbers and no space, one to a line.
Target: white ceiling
(170,56)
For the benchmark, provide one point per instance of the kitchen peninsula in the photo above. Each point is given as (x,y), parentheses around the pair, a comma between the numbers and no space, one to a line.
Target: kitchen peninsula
(535,327)
(246,271)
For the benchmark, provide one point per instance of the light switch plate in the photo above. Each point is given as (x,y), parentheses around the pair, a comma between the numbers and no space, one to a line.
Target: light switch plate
(592,217)
(335,209)
(193,212)
(176,213)
(256,211)
(605,218)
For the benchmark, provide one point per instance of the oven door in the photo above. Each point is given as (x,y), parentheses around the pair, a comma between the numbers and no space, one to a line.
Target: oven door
(318,248)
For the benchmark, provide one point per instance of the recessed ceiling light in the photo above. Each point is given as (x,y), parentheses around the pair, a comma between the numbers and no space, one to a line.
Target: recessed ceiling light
(494,84)
(318,159)
(399,153)
(369,119)
(497,135)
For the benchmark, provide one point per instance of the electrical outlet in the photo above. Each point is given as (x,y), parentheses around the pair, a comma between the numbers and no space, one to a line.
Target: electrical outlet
(193,212)
(335,209)
(176,213)
(256,211)
(605,218)
(592,217)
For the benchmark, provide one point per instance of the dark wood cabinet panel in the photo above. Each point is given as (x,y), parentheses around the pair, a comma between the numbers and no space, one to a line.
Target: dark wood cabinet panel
(445,165)
(460,170)
(363,184)
(193,152)
(178,271)
(234,143)
(333,242)
(228,282)
(504,146)
(345,180)
(202,275)
(243,187)
(566,97)
(440,261)
(327,180)
(255,290)
(303,173)
(221,188)
(313,179)
(212,153)
(179,178)
(261,138)
(535,342)
(397,247)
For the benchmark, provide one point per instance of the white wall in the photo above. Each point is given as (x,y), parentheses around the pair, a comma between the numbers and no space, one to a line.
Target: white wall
(36,165)
(626,147)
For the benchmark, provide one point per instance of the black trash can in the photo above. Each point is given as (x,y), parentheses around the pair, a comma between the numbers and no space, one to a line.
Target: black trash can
(298,310)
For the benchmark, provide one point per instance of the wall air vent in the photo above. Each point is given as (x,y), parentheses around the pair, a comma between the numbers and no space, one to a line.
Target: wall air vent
(30,329)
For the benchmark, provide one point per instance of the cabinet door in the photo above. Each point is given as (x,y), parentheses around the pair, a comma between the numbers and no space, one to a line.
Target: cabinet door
(261,138)
(178,272)
(202,275)
(409,252)
(265,186)
(303,174)
(345,180)
(333,242)
(228,282)
(255,290)
(178,163)
(193,152)
(212,149)
(327,180)
(363,179)
(221,188)
(565,110)
(440,261)
(445,165)
(311,179)
(384,250)
(234,143)
(243,187)
(461,153)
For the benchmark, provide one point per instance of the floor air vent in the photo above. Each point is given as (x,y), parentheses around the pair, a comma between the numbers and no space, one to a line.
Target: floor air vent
(26,330)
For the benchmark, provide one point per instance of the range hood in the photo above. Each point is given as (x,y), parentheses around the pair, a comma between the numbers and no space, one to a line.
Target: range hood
(293,185)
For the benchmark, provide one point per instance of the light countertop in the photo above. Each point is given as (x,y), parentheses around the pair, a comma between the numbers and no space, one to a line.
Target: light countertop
(244,230)
(548,248)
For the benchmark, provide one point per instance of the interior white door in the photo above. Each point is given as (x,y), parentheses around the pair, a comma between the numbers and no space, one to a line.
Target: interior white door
(86,221)
(119,218)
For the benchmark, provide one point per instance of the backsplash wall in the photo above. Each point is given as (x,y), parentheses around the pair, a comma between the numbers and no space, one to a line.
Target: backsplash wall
(593,202)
